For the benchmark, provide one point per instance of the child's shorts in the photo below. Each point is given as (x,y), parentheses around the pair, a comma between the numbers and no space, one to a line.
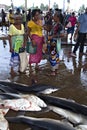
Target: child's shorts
(55,67)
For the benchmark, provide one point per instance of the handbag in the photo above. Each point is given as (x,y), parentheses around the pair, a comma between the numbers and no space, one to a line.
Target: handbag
(58,44)
(30,48)
(23,61)
(69,25)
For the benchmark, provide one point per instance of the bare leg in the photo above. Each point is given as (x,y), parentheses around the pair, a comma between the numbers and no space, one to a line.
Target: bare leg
(12,72)
(53,73)
(4,43)
(33,77)
(67,37)
(71,38)
(37,67)
(30,68)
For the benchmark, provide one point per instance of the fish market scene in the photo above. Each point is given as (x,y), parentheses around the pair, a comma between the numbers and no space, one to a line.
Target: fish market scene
(43,65)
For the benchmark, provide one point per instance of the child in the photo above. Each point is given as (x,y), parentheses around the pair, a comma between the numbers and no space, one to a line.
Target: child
(54,61)
(54,54)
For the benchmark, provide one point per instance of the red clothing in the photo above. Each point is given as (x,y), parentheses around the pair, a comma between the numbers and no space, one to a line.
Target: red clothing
(36,58)
(73,20)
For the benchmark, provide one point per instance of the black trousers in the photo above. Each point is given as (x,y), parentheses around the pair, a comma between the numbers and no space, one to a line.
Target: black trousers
(80,42)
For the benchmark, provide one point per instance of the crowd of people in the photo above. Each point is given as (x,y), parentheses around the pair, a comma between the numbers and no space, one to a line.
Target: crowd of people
(81,33)
(41,29)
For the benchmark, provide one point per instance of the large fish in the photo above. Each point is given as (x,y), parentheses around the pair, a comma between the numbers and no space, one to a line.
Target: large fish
(25,103)
(77,120)
(7,89)
(65,104)
(46,123)
(17,88)
(3,122)
(10,96)
(82,127)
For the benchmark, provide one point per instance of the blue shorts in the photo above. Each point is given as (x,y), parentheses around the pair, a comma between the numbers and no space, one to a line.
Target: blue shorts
(70,30)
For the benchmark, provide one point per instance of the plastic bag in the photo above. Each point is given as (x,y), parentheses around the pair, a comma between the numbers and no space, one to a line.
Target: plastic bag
(30,48)
(58,45)
(23,61)
(69,25)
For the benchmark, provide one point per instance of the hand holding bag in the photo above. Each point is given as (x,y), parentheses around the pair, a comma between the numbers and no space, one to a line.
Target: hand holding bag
(22,49)
(30,48)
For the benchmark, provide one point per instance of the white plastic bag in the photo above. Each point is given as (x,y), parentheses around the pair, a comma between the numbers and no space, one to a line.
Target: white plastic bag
(58,45)
(23,61)
(69,25)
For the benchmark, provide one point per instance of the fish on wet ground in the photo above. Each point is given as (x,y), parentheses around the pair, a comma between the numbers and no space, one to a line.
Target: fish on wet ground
(65,104)
(4,125)
(22,88)
(77,120)
(46,123)
(24,103)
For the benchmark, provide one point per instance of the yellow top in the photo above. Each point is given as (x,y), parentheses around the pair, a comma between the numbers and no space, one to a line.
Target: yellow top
(17,37)
(35,28)
(14,31)
(11,19)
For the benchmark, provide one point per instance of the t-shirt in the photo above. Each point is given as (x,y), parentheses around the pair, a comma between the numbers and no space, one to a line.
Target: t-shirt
(83,23)
(35,28)
(17,37)
(72,19)
(17,42)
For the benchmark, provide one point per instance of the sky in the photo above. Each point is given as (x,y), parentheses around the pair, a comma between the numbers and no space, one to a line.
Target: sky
(74,4)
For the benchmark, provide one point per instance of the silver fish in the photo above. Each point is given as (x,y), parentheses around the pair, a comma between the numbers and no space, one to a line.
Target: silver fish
(25,103)
(22,88)
(46,123)
(3,122)
(76,119)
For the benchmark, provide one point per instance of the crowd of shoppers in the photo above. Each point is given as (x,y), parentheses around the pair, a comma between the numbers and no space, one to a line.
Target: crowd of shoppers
(34,24)
(81,31)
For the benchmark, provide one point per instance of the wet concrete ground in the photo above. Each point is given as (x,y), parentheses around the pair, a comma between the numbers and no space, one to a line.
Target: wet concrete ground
(71,78)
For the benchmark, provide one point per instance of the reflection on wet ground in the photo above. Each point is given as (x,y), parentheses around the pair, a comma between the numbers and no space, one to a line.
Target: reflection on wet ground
(71,78)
